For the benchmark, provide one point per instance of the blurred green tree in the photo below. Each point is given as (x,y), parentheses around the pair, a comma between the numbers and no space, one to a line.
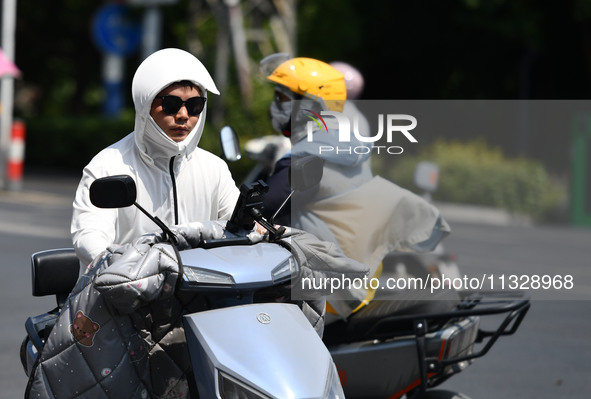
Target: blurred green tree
(458,49)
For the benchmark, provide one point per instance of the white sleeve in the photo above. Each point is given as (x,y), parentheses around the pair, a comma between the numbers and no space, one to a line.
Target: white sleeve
(92,229)
(228,193)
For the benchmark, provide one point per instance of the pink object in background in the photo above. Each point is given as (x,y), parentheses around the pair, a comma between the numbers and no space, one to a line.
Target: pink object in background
(7,67)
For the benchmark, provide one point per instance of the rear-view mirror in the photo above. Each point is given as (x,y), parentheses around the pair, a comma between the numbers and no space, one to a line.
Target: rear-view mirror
(230,144)
(113,192)
(306,172)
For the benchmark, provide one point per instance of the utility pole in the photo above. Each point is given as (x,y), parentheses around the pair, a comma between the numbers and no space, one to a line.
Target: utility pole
(152,30)
(236,23)
(7,85)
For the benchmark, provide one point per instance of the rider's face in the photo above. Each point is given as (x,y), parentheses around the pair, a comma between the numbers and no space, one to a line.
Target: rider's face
(280,97)
(178,125)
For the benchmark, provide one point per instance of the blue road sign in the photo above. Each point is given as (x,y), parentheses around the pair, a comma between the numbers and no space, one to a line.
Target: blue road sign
(114,31)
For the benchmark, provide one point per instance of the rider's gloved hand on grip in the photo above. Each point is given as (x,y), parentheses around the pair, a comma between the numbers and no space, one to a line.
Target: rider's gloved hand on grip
(260,233)
(195,232)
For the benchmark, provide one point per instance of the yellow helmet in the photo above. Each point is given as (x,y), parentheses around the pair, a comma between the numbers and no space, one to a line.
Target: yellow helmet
(313,79)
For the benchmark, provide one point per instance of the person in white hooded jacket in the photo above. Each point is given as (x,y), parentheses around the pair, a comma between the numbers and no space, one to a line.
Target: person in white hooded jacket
(176,180)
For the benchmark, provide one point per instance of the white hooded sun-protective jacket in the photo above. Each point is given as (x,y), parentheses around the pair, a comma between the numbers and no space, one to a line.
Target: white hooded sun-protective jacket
(177,182)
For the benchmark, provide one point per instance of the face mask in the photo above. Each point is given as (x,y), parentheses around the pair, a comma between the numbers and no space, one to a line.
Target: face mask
(158,145)
(281,116)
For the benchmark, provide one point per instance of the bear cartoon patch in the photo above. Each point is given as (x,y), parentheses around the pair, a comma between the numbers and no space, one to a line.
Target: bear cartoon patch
(83,329)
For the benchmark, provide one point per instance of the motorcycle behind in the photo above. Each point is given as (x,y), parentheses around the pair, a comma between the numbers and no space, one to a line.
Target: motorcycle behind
(406,342)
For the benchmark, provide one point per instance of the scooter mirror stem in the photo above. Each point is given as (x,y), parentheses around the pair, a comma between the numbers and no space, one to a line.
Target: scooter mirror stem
(272,220)
(168,234)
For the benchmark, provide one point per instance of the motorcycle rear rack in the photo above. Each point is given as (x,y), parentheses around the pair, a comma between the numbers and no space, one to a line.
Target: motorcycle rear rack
(514,304)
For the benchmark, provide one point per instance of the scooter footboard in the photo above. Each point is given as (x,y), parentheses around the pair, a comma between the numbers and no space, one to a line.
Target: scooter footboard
(268,348)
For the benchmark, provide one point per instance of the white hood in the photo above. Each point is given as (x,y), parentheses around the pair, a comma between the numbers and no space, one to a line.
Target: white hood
(155,73)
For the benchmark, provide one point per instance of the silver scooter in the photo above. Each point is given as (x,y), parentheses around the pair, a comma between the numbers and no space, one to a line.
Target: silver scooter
(276,354)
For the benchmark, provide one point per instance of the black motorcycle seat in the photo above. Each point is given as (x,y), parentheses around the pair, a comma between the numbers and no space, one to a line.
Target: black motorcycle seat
(392,315)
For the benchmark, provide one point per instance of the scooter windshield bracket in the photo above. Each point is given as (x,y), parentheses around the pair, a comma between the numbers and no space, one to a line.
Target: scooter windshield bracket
(249,210)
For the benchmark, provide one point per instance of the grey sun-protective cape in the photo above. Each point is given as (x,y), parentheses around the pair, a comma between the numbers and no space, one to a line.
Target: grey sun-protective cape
(120,335)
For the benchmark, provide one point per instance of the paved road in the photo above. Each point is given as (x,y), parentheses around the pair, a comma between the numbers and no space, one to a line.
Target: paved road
(32,220)
(549,357)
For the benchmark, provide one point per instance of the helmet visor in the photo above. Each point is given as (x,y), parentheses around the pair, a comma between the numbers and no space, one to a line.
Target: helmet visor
(271,62)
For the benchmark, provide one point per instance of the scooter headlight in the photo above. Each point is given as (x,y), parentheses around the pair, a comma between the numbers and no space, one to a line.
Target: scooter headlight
(333,390)
(197,275)
(285,271)
(231,388)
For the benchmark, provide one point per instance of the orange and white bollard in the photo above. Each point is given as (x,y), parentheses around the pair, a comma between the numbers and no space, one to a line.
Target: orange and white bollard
(16,155)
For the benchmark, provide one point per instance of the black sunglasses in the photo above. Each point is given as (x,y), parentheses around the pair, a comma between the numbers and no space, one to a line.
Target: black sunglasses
(172,104)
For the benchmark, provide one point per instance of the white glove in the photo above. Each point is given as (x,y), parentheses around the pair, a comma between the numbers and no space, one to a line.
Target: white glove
(195,232)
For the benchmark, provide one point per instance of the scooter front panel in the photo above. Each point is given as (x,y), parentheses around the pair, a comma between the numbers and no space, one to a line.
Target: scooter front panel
(271,347)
